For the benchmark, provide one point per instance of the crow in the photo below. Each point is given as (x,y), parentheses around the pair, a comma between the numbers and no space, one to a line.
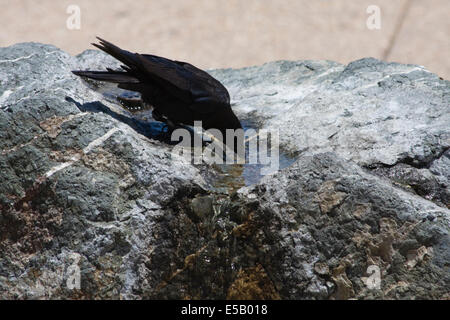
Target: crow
(178,92)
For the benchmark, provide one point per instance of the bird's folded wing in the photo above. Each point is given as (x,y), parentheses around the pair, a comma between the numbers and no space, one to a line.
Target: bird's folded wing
(181,79)
(168,74)
(187,78)
(108,76)
(206,84)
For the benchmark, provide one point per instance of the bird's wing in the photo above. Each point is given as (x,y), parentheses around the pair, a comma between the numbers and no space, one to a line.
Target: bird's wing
(192,85)
(206,83)
(186,77)
(108,76)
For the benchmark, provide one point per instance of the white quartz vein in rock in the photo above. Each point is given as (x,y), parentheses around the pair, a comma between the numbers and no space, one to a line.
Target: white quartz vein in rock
(97,142)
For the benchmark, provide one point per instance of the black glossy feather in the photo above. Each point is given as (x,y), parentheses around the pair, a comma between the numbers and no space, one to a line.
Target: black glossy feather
(177,90)
(108,76)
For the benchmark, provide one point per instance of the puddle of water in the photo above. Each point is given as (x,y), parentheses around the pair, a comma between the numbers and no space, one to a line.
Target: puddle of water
(235,176)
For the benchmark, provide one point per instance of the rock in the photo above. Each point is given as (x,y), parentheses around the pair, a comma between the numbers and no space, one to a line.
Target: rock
(251,284)
(76,180)
(384,116)
(93,205)
(302,247)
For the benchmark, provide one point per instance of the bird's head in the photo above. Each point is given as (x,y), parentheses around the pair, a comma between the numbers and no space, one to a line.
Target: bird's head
(230,128)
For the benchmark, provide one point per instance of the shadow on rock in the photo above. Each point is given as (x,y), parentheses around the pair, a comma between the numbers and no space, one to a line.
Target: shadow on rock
(152,130)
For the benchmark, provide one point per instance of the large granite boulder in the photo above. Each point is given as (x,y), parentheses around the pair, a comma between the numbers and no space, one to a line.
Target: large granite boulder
(390,118)
(88,191)
(78,179)
(322,227)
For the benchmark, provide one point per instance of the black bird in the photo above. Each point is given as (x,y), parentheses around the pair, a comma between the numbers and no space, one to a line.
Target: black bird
(178,92)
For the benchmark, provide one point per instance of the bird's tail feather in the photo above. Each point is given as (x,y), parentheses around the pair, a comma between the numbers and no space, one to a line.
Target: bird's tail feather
(108,76)
(129,59)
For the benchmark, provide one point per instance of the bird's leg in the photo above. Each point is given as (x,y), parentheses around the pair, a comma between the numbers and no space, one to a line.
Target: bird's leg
(159,117)
(169,127)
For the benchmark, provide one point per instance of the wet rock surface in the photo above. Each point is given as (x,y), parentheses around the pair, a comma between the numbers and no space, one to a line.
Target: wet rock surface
(386,117)
(87,189)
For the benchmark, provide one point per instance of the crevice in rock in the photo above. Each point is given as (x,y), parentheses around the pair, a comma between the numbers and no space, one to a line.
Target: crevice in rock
(413,162)
(415,177)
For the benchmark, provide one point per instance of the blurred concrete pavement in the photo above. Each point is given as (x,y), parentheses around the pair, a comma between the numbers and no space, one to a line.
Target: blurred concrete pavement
(237,33)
